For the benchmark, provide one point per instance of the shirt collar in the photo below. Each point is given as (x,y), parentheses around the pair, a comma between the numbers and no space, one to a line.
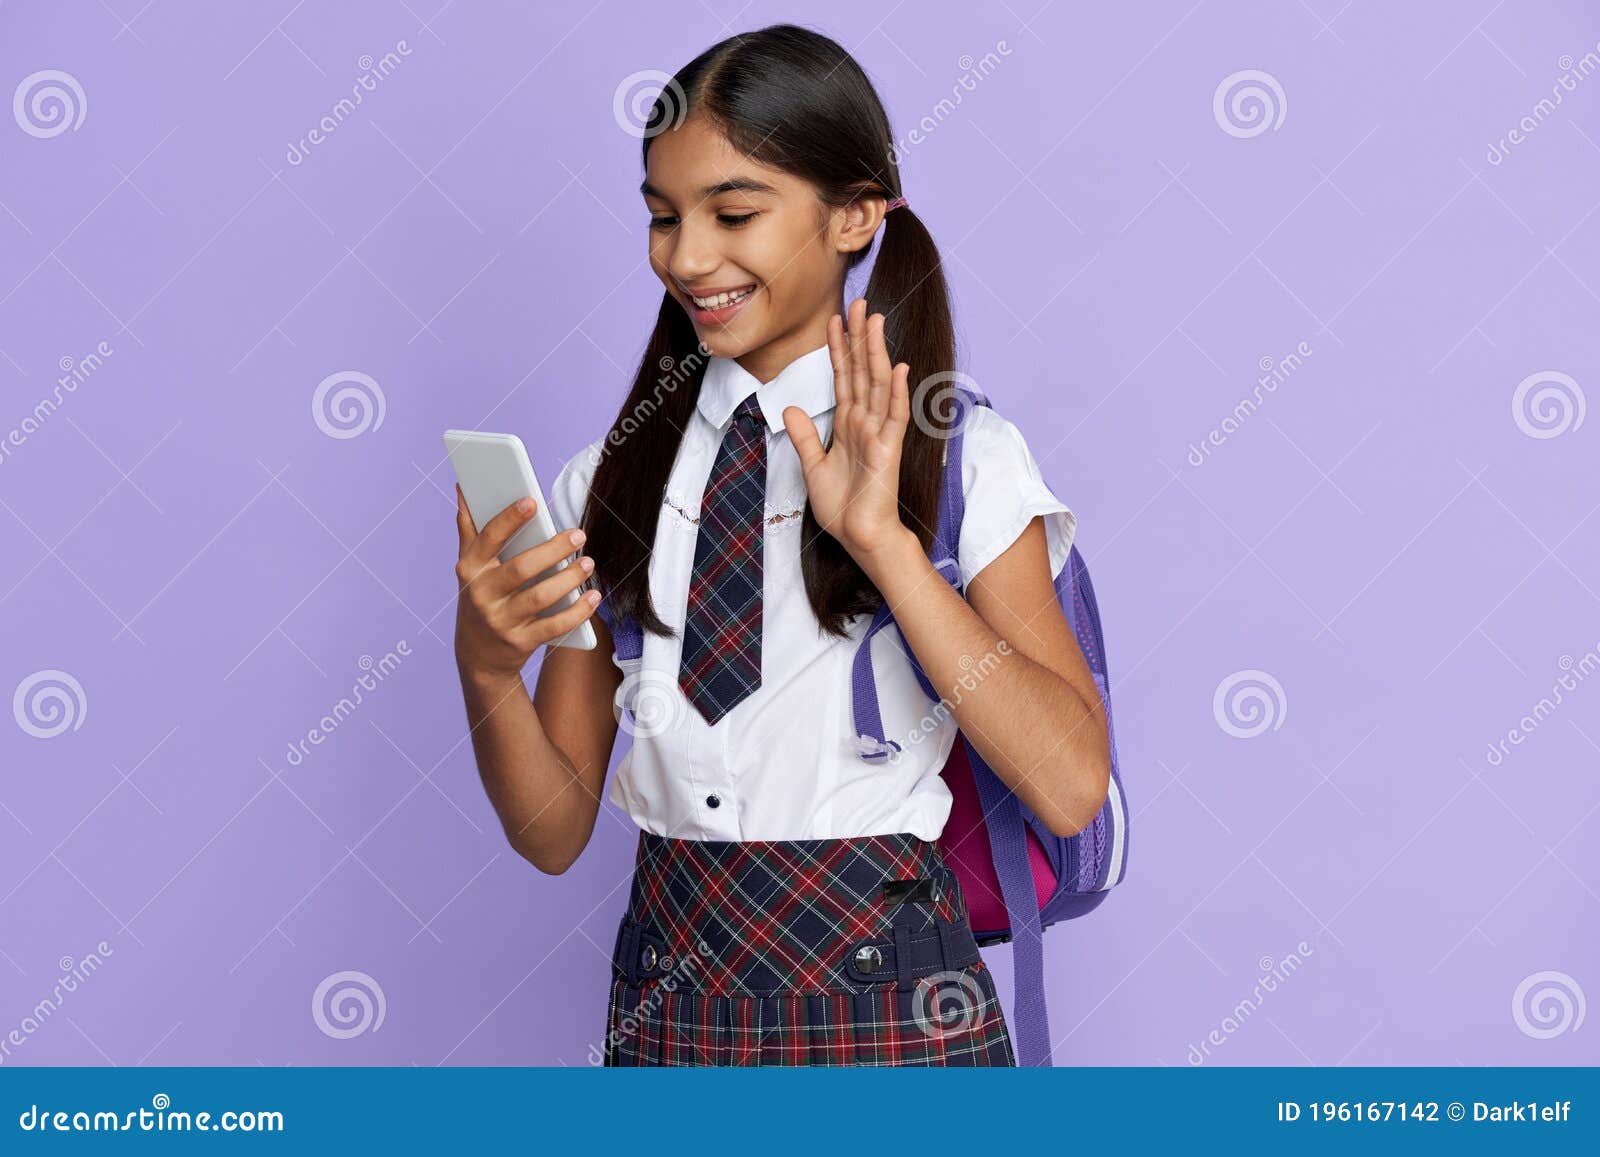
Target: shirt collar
(806,382)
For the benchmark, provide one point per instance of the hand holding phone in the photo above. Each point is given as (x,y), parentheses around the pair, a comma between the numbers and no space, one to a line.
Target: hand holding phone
(521,584)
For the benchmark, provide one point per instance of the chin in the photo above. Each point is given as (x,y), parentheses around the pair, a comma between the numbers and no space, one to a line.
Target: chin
(724,344)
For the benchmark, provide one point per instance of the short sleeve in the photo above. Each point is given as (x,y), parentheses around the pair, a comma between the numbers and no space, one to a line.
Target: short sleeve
(569,493)
(1004,492)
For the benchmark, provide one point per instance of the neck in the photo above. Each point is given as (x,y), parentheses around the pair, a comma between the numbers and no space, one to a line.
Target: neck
(767,361)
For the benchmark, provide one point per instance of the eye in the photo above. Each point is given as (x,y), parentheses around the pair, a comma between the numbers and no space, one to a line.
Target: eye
(663,222)
(735,221)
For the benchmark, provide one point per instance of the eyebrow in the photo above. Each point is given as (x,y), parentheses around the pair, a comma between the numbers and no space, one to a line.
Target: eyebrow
(731,185)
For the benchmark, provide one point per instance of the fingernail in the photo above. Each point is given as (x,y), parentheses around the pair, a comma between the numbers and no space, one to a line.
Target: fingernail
(593,597)
(577,537)
(524,505)
(586,563)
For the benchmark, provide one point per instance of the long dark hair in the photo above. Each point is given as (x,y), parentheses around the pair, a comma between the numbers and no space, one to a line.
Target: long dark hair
(795,100)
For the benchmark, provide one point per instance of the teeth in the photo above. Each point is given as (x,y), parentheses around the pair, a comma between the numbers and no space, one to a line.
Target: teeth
(722,300)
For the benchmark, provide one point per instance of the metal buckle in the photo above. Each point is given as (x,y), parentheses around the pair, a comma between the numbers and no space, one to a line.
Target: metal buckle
(868,958)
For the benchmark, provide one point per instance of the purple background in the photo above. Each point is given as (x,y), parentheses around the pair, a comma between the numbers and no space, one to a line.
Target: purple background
(1383,536)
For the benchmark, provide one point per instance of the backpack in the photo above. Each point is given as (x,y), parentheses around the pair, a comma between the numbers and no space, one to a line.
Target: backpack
(1017,876)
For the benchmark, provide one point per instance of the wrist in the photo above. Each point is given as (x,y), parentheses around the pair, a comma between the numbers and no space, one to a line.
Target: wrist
(892,553)
(489,683)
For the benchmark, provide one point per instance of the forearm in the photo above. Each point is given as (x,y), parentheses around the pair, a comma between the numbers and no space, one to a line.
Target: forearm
(538,794)
(1026,721)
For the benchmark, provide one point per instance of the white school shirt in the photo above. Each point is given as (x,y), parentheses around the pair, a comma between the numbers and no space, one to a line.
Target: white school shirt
(783,763)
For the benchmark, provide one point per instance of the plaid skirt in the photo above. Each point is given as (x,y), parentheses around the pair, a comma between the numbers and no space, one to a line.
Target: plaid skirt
(799,952)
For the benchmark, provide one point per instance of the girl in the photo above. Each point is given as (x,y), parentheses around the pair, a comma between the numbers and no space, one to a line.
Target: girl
(762,490)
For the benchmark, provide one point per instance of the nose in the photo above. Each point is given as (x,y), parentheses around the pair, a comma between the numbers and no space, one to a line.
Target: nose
(693,254)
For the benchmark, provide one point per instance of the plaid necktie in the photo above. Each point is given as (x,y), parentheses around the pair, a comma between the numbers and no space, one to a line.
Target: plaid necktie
(722,630)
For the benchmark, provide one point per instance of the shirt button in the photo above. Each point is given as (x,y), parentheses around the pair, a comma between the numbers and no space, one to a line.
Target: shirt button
(713,801)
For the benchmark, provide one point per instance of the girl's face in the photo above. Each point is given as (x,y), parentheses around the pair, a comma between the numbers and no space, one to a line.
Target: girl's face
(750,252)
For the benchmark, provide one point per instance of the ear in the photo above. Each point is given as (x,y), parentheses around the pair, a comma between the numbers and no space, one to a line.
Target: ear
(855,225)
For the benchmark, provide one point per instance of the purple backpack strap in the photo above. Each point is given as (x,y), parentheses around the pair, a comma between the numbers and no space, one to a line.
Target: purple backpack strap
(1008,837)
(870,744)
(627,640)
(1008,848)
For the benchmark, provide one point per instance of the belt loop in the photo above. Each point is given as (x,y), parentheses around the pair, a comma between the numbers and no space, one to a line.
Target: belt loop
(947,954)
(630,952)
(902,954)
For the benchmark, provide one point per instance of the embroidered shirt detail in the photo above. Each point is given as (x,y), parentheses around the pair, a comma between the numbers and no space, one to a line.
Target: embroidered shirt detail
(772,519)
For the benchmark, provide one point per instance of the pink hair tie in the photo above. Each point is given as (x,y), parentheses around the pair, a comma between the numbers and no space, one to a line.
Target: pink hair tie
(895,204)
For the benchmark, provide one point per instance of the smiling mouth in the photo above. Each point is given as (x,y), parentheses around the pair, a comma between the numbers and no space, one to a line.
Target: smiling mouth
(722,300)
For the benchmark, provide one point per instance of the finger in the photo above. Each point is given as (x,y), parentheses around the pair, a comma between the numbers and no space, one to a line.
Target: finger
(879,369)
(538,632)
(499,529)
(803,436)
(536,560)
(527,604)
(860,381)
(839,351)
(465,530)
(894,426)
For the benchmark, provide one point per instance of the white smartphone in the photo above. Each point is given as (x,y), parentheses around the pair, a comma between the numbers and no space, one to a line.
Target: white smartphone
(494,471)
